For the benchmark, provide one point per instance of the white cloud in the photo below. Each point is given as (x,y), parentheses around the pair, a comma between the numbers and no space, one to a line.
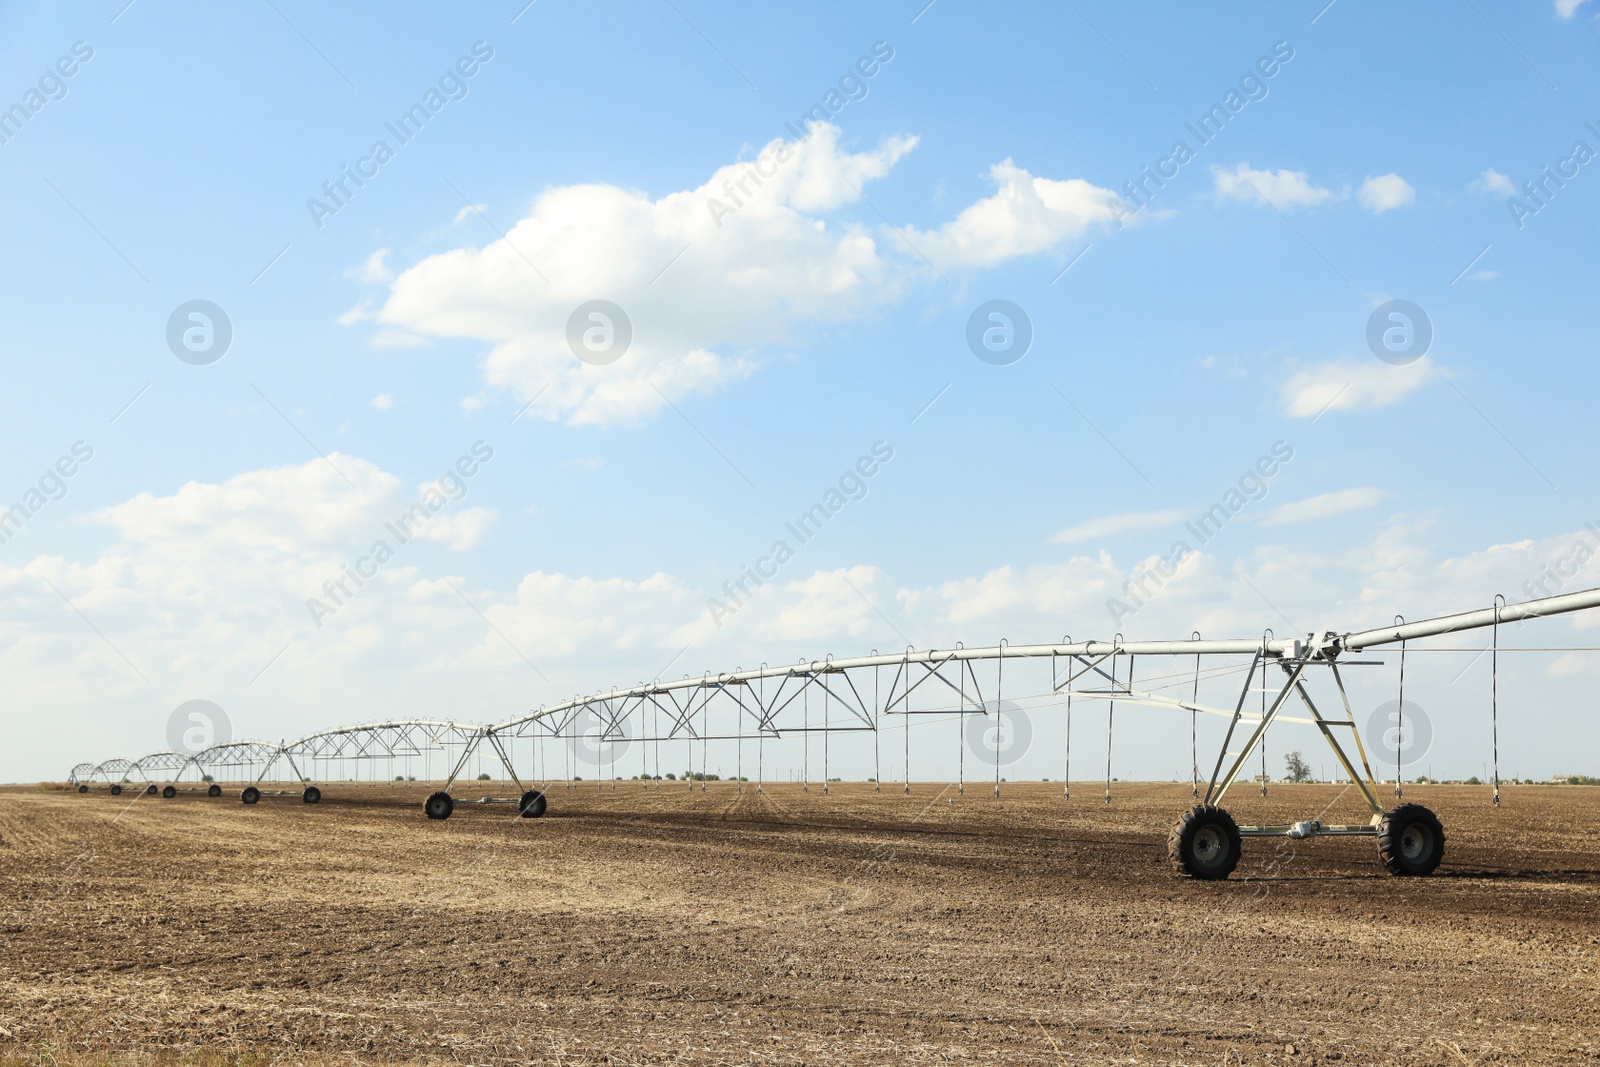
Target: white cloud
(373,270)
(558,616)
(469,211)
(1112,525)
(299,511)
(1353,386)
(1567,8)
(1282,188)
(383,401)
(292,510)
(710,268)
(1025,216)
(705,276)
(828,604)
(1324,506)
(1385,193)
(204,586)
(1494,182)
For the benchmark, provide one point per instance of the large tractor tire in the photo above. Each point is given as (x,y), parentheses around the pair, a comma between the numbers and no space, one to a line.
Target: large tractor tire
(1205,844)
(439,806)
(532,805)
(1410,840)
(251,795)
(312,795)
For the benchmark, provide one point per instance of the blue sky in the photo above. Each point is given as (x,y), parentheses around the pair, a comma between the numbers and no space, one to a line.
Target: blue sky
(984,159)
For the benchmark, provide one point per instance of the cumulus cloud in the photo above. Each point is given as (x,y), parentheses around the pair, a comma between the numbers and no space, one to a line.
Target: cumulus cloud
(828,604)
(1339,386)
(298,511)
(204,586)
(373,270)
(1026,215)
(1111,525)
(706,277)
(1492,181)
(289,510)
(1567,8)
(1385,193)
(1281,188)
(702,275)
(554,615)
(383,401)
(1324,506)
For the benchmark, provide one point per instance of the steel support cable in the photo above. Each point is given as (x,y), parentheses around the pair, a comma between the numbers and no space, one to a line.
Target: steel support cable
(1494,694)
(961,723)
(1400,715)
(1194,727)
(1264,638)
(1111,715)
(905,676)
(827,717)
(1066,772)
(999,709)
(877,769)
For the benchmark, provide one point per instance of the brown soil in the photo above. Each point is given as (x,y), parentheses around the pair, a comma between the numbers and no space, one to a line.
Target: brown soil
(673,926)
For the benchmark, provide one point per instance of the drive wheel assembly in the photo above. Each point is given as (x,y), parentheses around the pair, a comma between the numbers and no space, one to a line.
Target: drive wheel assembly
(1410,840)
(439,806)
(1205,843)
(533,804)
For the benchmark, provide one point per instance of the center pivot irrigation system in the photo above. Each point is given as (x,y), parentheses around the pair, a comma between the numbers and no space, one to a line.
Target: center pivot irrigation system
(858,695)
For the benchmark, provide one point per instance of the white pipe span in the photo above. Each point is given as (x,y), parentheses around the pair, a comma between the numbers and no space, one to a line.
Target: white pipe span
(1327,647)
(1472,620)
(1093,650)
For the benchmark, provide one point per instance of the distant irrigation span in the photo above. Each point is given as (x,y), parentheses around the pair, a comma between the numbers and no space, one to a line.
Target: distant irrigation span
(864,695)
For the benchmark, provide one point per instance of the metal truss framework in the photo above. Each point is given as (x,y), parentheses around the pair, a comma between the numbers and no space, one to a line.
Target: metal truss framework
(853,695)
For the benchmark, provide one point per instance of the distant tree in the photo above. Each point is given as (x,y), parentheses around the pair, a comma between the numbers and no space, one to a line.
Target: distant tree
(1474,780)
(1298,769)
(483,777)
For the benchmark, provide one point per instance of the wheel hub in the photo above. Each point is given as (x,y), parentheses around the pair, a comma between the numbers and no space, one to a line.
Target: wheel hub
(1415,842)
(1209,845)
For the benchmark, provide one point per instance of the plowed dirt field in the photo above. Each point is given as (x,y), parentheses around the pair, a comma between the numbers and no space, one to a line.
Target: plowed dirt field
(679,926)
